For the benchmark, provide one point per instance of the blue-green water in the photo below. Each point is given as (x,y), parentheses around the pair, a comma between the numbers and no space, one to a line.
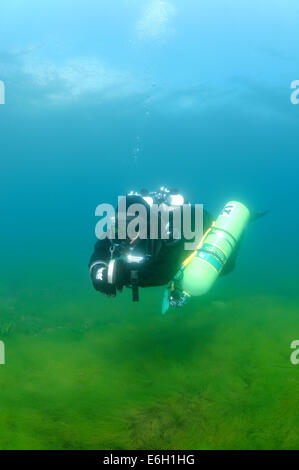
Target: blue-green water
(102,99)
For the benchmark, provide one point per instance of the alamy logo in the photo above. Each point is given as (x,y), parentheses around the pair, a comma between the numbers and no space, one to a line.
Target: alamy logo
(2,353)
(295,354)
(295,93)
(161,221)
(2,92)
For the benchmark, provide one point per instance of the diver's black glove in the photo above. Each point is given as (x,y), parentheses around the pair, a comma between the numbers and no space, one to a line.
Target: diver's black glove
(99,277)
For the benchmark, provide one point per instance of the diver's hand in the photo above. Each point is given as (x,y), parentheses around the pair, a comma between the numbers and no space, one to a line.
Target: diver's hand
(99,277)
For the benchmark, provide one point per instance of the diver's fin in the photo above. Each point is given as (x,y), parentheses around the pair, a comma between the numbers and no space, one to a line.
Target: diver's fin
(257,215)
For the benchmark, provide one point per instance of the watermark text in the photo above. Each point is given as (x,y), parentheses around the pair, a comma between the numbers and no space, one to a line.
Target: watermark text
(295,94)
(294,358)
(2,353)
(158,221)
(2,92)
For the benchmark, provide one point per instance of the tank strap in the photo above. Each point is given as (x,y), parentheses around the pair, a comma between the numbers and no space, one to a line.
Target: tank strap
(215,251)
(225,231)
(190,258)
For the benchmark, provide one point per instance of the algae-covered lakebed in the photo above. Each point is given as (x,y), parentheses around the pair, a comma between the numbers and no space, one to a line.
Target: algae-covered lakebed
(96,373)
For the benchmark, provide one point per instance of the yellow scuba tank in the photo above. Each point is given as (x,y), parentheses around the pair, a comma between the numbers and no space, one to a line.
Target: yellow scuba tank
(201,269)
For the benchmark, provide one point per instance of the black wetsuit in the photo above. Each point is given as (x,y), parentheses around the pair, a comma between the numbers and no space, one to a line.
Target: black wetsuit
(162,263)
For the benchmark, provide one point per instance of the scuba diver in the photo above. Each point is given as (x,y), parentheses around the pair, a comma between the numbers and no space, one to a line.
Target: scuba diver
(145,262)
